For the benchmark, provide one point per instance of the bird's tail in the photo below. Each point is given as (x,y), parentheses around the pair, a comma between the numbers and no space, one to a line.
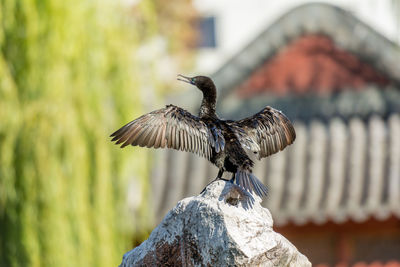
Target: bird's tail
(249,181)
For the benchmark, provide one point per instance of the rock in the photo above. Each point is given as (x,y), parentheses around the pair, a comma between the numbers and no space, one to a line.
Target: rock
(216,228)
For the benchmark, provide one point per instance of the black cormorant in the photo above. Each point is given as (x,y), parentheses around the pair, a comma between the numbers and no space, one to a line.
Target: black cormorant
(225,143)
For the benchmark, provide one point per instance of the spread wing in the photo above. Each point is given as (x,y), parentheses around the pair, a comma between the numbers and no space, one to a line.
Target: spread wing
(170,127)
(265,133)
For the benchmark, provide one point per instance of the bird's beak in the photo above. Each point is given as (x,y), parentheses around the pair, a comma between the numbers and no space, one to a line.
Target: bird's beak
(184,79)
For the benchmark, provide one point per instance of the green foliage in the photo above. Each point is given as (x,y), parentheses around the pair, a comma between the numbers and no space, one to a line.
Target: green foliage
(69,76)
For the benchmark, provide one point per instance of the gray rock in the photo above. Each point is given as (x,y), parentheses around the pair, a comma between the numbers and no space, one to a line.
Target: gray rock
(216,228)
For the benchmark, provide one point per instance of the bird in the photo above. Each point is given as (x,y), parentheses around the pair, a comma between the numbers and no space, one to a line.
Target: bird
(228,144)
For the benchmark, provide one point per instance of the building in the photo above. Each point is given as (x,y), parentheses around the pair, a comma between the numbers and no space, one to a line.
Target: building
(335,193)
(231,24)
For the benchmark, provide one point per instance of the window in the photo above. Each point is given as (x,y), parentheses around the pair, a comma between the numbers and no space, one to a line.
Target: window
(207,32)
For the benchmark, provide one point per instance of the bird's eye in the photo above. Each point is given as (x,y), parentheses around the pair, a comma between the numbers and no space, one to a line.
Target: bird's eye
(193,80)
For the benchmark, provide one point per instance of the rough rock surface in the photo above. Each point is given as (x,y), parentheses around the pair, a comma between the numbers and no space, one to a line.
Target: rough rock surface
(216,228)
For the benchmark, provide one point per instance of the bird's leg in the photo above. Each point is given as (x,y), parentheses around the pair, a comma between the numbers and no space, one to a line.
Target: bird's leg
(232,180)
(219,177)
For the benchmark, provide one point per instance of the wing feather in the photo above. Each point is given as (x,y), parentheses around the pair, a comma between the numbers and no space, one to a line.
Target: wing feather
(173,137)
(171,127)
(131,136)
(163,136)
(141,137)
(185,139)
(159,136)
(182,140)
(152,137)
(196,143)
(266,132)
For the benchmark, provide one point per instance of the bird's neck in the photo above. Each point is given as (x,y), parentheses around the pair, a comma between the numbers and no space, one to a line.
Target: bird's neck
(207,107)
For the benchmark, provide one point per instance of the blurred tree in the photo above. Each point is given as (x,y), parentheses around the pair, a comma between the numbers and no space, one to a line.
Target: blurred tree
(71,72)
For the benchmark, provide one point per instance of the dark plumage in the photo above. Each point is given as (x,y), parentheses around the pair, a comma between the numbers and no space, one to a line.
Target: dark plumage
(223,142)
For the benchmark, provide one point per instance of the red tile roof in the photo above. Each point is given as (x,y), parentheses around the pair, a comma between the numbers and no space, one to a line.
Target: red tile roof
(356,46)
(312,62)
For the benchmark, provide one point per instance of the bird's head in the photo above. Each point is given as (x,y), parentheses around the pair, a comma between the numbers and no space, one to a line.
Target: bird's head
(204,83)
